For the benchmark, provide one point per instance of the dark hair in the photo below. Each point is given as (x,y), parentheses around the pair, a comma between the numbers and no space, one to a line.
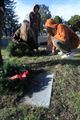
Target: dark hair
(36,6)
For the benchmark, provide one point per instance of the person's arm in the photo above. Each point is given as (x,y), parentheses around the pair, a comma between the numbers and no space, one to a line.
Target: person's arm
(39,22)
(62,33)
(31,16)
(50,44)
(31,19)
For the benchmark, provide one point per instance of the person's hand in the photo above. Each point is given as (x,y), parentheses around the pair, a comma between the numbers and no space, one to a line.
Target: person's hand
(53,50)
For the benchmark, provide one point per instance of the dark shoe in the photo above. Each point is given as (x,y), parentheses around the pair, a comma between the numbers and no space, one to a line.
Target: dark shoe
(49,53)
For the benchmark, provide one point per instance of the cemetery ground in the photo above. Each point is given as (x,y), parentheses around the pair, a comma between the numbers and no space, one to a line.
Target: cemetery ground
(65,97)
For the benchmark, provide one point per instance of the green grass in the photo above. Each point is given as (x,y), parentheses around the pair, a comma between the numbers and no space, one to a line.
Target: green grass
(65,99)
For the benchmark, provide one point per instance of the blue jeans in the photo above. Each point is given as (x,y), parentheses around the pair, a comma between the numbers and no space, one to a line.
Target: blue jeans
(64,47)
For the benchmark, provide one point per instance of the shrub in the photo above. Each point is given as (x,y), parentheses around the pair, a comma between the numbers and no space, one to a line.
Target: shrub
(17,49)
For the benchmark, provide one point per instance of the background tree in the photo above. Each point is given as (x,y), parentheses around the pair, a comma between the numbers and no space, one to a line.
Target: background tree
(58,19)
(44,12)
(11,19)
(74,22)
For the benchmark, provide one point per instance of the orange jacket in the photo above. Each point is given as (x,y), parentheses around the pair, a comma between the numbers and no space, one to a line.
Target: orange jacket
(64,33)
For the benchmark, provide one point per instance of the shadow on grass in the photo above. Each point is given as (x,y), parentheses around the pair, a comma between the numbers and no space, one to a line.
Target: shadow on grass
(29,53)
(54,62)
(25,52)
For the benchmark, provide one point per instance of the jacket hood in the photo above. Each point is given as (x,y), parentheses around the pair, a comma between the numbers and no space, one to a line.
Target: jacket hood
(51,23)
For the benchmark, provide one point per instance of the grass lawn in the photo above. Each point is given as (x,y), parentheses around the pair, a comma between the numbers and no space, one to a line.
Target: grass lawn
(65,99)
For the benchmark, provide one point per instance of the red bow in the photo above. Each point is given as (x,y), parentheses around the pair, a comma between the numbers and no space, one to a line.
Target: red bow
(20,76)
